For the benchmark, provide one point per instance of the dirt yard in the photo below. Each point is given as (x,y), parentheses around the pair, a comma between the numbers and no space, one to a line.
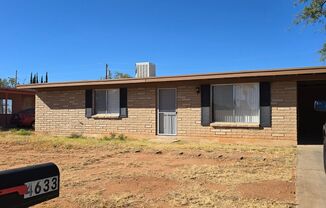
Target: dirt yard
(122,172)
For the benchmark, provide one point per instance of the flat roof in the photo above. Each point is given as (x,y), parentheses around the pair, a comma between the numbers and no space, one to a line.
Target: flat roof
(17,91)
(192,77)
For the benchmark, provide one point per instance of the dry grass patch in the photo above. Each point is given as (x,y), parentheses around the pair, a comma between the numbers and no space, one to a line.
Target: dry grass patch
(246,170)
(198,196)
(116,171)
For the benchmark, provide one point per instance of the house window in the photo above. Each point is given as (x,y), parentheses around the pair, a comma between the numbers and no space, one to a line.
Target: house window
(237,103)
(5,109)
(107,102)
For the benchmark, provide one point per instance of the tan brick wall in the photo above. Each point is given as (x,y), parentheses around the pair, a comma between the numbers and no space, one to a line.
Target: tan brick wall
(284,122)
(62,112)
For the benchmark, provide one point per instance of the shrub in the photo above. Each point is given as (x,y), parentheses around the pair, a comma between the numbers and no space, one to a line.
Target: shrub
(113,136)
(122,137)
(106,138)
(21,132)
(13,130)
(75,136)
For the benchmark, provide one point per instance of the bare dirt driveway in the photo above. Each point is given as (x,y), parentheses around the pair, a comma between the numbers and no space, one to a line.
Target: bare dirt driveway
(138,173)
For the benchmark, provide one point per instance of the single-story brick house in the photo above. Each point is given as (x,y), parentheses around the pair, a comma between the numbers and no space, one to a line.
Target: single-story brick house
(265,104)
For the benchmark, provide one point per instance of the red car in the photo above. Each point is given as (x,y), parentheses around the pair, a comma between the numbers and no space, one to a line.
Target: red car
(25,118)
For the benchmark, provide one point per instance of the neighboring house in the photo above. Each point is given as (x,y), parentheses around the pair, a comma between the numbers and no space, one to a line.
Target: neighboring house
(265,104)
(13,101)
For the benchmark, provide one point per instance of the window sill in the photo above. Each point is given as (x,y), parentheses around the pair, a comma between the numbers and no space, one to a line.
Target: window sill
(234,125)
(106,116)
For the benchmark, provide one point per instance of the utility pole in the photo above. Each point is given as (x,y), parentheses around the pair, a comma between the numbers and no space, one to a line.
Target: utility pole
(107,72)
(16,78)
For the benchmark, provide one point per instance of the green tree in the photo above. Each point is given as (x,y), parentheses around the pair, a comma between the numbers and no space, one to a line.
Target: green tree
(314,12)
(34,79)
(10,82)
(31,79)
(120,75)
(46,77)
(4,83)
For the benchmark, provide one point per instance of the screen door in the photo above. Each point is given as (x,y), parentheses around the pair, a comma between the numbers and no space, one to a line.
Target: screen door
(167,115)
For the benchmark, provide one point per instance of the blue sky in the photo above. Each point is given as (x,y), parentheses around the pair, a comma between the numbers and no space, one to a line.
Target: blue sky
(73,40)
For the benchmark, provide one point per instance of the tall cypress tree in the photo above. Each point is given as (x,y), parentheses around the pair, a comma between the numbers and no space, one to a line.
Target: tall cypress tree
(46,77)
(31,78)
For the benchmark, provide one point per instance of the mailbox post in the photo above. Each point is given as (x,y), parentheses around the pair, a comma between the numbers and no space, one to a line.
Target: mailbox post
(27,186)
